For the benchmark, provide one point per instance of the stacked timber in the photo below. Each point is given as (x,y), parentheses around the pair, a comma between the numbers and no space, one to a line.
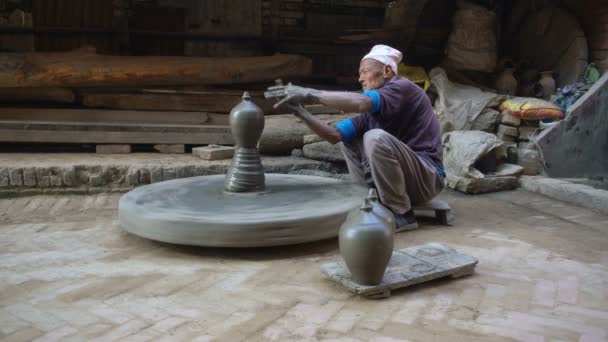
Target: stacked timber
(131,99)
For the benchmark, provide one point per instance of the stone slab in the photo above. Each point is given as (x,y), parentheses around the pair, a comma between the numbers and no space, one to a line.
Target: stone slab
(312,138)
(113,149)
(526,132)
(16,177)
(284,133)
(407,267)
(323,151)
(505,138)
(527,146)
(481,185)
(4,178)
(576,146)
(214,152)
(578,194)
(510,120)
(170,149)
(507,130)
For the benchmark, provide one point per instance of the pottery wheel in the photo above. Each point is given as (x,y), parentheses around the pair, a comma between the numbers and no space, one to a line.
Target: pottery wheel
(197,211)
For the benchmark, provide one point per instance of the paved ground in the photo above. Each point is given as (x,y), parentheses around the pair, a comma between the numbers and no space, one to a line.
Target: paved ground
(67,272)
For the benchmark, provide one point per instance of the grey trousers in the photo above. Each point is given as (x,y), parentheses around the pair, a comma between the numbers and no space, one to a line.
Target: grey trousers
(400,176)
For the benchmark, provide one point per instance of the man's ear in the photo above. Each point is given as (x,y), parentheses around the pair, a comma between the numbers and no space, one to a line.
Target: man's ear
(387,72)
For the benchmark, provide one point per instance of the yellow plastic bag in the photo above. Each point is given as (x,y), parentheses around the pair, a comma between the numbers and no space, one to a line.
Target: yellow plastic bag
(532,109)
(415,74)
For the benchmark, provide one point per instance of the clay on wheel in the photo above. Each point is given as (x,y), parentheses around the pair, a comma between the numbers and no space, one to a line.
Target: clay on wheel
(197,211)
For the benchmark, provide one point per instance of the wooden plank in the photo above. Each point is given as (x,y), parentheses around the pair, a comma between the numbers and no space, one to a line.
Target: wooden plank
(112,137)
(407,267)
(59,95)
(109,126)
(221,101)
(115,116)
(85,68)
(173,101)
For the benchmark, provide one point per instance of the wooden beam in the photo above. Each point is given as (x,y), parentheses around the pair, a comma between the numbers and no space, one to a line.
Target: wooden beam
(114,116)
(85,68)
(59,95)
(172,100)
(79,132)
(84,137)
(120,23)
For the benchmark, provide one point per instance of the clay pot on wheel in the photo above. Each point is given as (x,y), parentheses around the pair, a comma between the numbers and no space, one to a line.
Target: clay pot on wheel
(366,244)
(246,173)
(506,83)
(548,83)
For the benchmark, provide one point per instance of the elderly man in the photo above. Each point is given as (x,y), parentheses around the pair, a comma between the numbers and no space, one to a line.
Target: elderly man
(394,144)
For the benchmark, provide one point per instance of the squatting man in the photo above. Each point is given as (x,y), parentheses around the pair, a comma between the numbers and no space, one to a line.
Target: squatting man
(393,145)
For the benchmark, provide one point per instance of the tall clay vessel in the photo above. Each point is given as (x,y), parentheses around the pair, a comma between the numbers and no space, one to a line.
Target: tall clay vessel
(246,173)
(366,244)
(506,83)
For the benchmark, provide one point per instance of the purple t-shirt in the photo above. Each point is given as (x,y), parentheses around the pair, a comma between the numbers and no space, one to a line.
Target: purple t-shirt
(405,112)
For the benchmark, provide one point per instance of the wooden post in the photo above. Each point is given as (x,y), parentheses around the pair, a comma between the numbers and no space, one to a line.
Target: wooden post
(120,23)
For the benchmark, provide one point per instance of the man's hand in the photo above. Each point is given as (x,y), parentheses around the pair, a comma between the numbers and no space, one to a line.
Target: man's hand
(291,94)
(297,109)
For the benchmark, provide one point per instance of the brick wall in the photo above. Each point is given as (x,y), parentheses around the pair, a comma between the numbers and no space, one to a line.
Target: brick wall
(290,16)
(287,17)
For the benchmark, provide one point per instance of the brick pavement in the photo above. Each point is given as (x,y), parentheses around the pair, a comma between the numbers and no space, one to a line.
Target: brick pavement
(69,273)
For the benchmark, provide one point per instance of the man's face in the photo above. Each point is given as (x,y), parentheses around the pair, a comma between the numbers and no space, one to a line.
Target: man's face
(373,74)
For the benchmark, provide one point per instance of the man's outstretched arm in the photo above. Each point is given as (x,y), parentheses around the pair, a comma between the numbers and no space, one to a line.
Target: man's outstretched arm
(346,101)
(320,128)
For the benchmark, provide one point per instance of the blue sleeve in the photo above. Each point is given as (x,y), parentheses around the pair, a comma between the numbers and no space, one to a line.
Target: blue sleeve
(347,129)
(375,97)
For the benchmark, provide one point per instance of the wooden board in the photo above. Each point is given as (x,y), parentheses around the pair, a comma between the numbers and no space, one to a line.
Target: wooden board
(437,209)
(172,100)
(407,267)
(114,116)
(99,132)
(214,101)
(59,95)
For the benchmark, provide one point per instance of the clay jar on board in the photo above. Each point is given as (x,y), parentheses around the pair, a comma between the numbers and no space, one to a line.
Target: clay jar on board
(366,243)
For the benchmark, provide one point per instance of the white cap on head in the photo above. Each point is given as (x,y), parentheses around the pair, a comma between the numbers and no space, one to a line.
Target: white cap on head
(386,55)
